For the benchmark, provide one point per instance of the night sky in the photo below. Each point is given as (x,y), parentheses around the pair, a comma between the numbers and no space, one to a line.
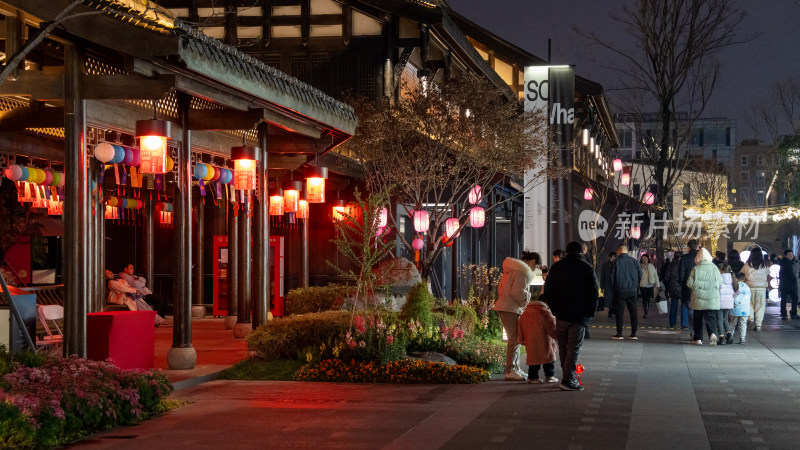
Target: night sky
(747,71)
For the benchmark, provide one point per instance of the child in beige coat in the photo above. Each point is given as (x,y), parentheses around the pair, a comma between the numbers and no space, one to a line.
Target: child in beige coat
(537,331)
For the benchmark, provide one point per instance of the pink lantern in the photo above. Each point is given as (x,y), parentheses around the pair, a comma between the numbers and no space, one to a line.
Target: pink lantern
(625,180)
(636,232)
(418,244)
(477,217)
(451,227)
(649,198)
(587,193)
(422,221)
(475,195)
(617,165)
(382,217)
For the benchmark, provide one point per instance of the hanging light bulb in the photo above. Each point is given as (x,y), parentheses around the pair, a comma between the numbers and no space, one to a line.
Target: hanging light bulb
(315,184)
(585,136)
(276,201)
(587,193)
(152,135)
(291,195)
(244,167)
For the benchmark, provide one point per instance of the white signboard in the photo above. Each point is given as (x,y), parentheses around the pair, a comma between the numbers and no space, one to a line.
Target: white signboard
(535,207)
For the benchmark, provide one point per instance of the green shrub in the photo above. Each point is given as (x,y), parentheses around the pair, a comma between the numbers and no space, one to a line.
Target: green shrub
(380,337)
(403,371)
(17,431)
(315,299)
(476,352)
(418,305)
(284,337)
(461,315)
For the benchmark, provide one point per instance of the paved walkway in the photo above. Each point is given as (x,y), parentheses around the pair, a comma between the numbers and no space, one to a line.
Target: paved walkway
(658,392)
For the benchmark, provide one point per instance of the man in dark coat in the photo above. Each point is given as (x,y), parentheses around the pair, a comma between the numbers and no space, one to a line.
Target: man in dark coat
(571,292)
(606,284)
(788,284)
(684,269)
(673,289)
(626,273)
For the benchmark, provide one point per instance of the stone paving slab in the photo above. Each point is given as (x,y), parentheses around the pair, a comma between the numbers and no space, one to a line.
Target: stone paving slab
(658,392)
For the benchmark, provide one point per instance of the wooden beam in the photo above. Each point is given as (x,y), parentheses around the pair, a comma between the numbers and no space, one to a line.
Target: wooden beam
(126,87)
(283,162)
(206,92)
(36,146)
(36,84)
(215,119)
(21,118)
(291,144)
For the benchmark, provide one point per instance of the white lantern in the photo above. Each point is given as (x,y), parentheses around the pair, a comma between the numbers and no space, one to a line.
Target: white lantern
(421,221)
(451,227)
(477,217)
(475,195)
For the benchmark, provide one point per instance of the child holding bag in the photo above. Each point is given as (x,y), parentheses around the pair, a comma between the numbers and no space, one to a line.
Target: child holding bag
(537,332)
(741,308)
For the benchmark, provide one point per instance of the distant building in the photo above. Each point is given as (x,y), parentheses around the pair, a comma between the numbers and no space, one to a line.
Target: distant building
(753,173)
(710,139)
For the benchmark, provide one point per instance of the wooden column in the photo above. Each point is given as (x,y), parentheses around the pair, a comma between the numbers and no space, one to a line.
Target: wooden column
(198,302)
(150,242)
(261,238)
(243,325)
(233,267)
(182,355)
(76,208)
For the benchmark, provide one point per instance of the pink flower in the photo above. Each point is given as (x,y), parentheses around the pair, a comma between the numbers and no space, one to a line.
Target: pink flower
(390,339)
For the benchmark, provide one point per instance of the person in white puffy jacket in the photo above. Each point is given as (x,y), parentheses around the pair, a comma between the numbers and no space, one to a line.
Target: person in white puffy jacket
(513,295)
(756,272)
(704,280)
(727,292)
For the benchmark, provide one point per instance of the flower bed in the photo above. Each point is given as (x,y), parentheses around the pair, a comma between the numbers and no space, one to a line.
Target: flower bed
(403,371)
(65,399)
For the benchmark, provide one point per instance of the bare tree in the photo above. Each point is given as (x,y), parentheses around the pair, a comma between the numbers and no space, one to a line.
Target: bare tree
(437,143)
(671,69)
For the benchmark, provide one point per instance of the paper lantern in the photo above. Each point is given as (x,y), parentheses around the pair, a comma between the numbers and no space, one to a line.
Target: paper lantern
(200,171)
(475,195)
(382,217)
(128,156)
(276,202)
(119,154)
(315,184)
(152,136)
(170,164)
(585,139)
(617,165)
(104,152)
(418,243)
(136,159)
(636,232)
(625,179)
(587,193)
(291,195)
(24,173)
(217,173)
(649,198)
(244,167)
(477,217)
(228,173)
(302,209)
(56,179)
(451,226)
(339,209)
(209,172)
(14,172)
(61,179)
(422,221)
(48,178)
(139,204)
(112,201)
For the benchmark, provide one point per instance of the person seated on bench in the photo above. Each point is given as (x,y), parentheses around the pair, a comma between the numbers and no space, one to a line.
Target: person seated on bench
(155,301)
(121,293)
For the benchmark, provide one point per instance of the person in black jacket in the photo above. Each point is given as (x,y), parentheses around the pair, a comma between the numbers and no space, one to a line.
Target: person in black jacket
(571,292)
(673,290)
(788,284)
(735,261)
(626,273)
(684,269)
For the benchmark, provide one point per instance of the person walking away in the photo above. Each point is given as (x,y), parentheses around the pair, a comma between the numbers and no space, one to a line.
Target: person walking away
(735,261)
(719,258)
(571,291)
(704,280)
(673,290)
(741,308)
(625,275)
(537,332)
(648,284)
(513,295)
(606,285)
(727,292)
(756,272)
(787,284)
(686,266)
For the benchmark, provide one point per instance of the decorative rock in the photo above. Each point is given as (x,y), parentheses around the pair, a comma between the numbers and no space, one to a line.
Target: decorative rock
(241,330)
(396,272)
(198,311)
(230,322)
(181,358)
(431,357)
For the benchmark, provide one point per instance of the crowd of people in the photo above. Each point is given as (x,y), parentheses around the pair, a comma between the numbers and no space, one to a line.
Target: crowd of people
(718,297)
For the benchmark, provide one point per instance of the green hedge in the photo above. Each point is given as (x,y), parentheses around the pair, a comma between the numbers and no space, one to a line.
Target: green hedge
(315,299)
(287,336)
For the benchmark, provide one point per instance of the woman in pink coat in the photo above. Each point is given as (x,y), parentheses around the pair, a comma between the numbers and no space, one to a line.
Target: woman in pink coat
(537,331)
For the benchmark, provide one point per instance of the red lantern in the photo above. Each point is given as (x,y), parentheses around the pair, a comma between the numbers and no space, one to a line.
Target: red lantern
(477,217)
(475,195)
(636,232)
(422,221)
(649,198)
(382,217)
(451,226)
(244,168)
(339,210)
(302,209)
(587,193)
(617,165)
(291,195)
(276,202)
(418,243)
(315,184)
(152,135)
